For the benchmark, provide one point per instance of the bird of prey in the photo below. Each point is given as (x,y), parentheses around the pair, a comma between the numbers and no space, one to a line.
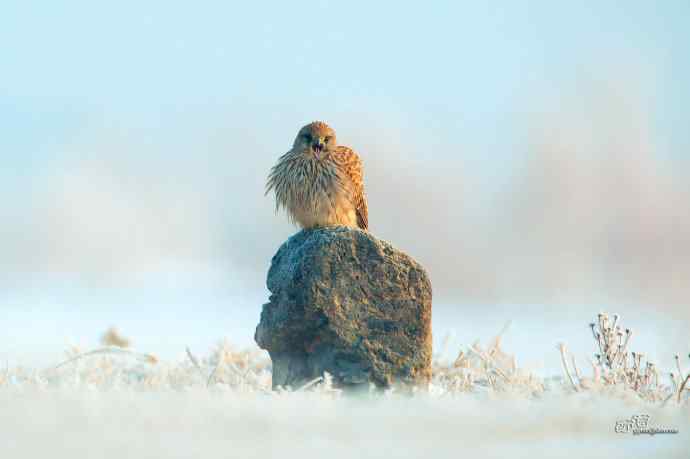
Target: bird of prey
(319,182)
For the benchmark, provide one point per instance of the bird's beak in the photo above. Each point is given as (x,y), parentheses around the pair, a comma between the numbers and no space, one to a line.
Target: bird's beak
(318,147)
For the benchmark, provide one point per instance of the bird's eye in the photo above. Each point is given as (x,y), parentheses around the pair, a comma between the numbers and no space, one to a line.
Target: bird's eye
(328,139)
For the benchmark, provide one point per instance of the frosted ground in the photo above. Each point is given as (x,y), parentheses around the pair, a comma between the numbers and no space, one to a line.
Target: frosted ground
(116,402)
(199,423)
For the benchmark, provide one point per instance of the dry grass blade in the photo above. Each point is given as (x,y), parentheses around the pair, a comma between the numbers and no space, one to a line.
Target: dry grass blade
(148,358)
(195,362)
(310,383)
(683,386)
(577,371)
(496,342)
(564,361)
(213,374)
(232,366)
(488,361)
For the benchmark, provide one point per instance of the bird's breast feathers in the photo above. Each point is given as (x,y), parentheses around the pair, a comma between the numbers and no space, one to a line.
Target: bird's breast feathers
(324,192)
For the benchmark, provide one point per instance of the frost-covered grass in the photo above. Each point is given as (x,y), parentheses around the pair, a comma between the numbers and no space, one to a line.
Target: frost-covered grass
(116,402)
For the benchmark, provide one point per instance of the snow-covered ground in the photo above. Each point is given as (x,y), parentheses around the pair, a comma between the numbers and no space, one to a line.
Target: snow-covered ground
(200,423)
(120,403)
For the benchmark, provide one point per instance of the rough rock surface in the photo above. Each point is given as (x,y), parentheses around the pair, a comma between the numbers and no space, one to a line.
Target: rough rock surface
(347,303)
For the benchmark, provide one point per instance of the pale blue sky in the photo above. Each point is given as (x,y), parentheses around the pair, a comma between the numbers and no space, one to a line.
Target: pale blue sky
(460,67)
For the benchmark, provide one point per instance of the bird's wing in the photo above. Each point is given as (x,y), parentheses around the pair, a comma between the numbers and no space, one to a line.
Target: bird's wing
(348,161)
(362,212)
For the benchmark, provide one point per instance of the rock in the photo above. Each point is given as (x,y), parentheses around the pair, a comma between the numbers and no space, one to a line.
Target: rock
(346,303)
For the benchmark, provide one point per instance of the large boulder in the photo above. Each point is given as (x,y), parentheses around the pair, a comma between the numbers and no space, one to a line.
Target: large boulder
(349,304)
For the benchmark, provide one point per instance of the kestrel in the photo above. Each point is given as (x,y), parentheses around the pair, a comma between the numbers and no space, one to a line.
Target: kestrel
(319,182)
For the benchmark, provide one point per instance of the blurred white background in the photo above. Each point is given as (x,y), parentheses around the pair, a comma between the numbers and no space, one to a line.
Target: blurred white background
(533,157)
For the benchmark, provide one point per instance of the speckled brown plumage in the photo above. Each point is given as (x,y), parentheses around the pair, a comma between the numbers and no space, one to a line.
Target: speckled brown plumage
(319,182)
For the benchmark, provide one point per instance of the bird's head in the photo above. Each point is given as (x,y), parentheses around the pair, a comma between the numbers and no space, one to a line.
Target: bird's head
(317,139)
